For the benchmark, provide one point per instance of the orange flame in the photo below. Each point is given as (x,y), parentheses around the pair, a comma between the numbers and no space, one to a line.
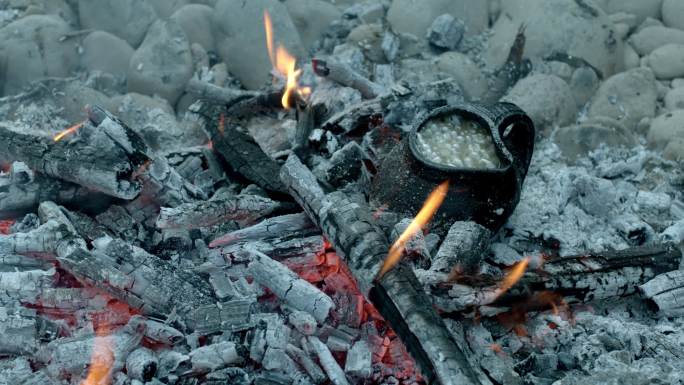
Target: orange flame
(284,64)
(430,207)
(102,359)
(68,131)
(513,276)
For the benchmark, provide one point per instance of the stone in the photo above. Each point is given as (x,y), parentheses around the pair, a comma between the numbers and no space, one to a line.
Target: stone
(241,39)
(642,9)
(667,61)
(632,59)
(673,13)
(583,83)
(127,19)
(105,52)
(195,19)
(416,16)
(54,7)
(547,99)
(166,8)
(312,18)
(674,150)
(31,48)
(627,97)
(163,63)
(553,26)
(674,99)
(466,73)
(446,32)
(576,141)
(369,38)
(74,99)
(596,196)
(648,39)
(665,128)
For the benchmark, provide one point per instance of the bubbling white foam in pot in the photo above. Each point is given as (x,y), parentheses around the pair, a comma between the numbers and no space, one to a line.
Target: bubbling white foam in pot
(457,142)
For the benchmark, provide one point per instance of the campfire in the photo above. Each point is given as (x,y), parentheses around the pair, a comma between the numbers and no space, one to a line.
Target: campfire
(330,224)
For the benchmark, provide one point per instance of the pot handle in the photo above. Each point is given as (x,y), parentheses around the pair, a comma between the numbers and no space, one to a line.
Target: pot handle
(517,132)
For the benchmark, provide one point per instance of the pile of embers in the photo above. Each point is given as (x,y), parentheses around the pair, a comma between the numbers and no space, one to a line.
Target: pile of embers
(199,266)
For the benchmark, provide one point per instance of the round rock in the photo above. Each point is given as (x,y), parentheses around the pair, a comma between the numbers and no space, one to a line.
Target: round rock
(241,39)
(466,73)
(30,49)
(105,52)
(665,128)
(674,100)
(163,63)
(165,8)
(667,61)
(416,16)
(195,19)
(651,38)
(626,97)
(575,28)
(673,13)
(312,18)
(674,150)
(578,140)
(127,19)
(546,98)
(642,9)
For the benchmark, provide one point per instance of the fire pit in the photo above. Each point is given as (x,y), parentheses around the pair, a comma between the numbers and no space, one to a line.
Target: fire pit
(336,192)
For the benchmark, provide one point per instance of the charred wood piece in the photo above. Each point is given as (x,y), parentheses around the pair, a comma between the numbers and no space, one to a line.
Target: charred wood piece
(228,96)
(280,250)
(399,297)
(22,331)
(304,360)
(284,226)
(346,76)
(665,291)
(286,285)
(234,315)
(325,357)
(354,116)
(462,249)
(243,208)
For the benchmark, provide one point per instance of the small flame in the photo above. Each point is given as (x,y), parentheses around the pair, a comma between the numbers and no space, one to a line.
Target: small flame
(284,64)
(430,207)
(513,276)
(68,131)
(102,359)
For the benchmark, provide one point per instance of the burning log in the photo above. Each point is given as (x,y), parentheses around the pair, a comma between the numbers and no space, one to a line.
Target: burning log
(228,96)
(575,279)
(665,291)
(286,285)
(346,76)
(462,249)
(331,367)
(221,208)
(398,295)
(284,226)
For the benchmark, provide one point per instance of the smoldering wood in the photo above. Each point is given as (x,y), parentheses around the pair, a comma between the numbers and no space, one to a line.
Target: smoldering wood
(71,356)
(265,102)
(343,74)
(233,315)
(325,357)
(359,361)
(665,292)
(398,296)
(162,333)
(276,359)
(278,249)
(286,285)
(205,90)
(219,209)
(344,166)
(93,157)
(142,364)
(574,279)
(15,263)
(20,196)
(306,120)
(44,239)
(307,363)
(165,186)
(463,249)
(22,331)
(283,226)
(415,246)
(354,116)
(28,284)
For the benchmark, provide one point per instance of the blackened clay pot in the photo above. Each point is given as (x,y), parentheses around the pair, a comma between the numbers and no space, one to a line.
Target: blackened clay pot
(486,196)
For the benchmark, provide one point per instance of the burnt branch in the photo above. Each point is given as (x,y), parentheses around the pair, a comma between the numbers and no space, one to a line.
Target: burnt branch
(346,76)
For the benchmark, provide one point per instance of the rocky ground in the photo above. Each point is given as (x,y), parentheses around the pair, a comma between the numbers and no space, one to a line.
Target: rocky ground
(603,82)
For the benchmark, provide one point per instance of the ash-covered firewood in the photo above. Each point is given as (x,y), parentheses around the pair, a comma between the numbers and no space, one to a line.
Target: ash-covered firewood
(204,90)
(575,279)
(71,357)
(142,364)
(26,285)
(353,116)
(666,291)
(279,249)
(325,357)
(307,363)
(343,74)
(163,185)
(22,331)
(462,249)
(286,285)
(22,190)
(233,315)
(399,297)
(221,208)
(284,226)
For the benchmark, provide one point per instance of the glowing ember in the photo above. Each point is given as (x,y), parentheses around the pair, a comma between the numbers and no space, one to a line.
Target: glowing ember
(513,276)
(5,226)
(432,204)
(284,64)
(68,131)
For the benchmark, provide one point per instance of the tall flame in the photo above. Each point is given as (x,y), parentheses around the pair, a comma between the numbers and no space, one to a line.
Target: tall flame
(68,131)
(284,63)
(430,207)
(102,359)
